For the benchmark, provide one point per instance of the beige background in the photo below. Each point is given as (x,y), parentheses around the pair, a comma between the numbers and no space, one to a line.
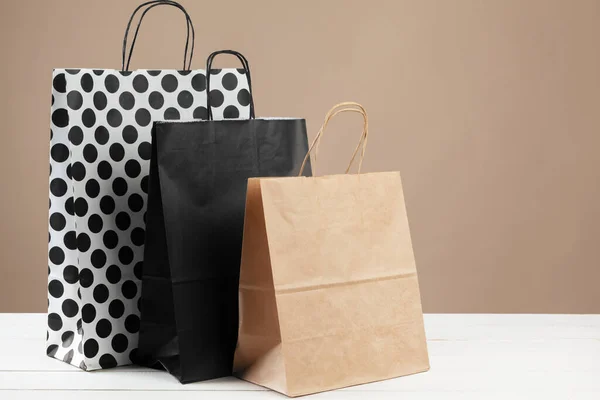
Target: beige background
(491,110)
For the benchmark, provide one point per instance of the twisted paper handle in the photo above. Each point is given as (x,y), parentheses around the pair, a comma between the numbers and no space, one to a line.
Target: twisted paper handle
(349,106)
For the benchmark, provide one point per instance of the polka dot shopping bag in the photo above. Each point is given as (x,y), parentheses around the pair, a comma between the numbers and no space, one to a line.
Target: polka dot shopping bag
(101,121)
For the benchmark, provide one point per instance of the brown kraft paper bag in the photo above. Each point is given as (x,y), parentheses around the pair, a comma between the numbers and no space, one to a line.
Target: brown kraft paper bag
(329,295)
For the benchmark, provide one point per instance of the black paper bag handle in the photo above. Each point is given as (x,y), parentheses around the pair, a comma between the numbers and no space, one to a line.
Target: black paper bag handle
(246,66)
(151,4)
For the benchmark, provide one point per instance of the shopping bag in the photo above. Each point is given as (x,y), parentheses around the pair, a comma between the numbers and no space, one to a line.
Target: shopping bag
(198,179)
(329,295)
(99,160)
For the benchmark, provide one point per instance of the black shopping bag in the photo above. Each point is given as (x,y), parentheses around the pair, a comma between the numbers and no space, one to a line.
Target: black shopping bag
(196,201)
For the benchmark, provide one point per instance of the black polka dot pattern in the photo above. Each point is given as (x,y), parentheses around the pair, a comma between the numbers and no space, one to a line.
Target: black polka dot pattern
(103,328)
(104,170)
(171,113)
(113,274)
(60,117)
(143,117)
(88,313)
(230,81)
(231,112)
(74,100)
(169,83)
(83,242)
(116,308)
(86,277)
(201,113)
(87,83)
(100,101)
(100,293)
(59,153)
(70,308)
(57,221)
(110,239)
(71,274)
(101,122)
(67,338)
(135,202)
(126,100)
(216,98)
(92,188)
(116,152)
(114,118)
(107,361)
(119,343)
(156,100)
(90,348)
(145,150)
(185,99)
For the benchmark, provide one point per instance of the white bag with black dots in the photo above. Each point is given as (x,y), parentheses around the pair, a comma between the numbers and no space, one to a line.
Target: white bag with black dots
(99,160)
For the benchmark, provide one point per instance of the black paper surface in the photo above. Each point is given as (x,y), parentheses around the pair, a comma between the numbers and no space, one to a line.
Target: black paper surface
(196,200)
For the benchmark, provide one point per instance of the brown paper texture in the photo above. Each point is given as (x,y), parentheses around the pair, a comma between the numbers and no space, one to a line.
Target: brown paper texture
(329,295)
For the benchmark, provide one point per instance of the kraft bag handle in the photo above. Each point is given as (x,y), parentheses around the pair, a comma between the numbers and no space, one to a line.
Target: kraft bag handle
(348,106)
(151,4)
(245,65)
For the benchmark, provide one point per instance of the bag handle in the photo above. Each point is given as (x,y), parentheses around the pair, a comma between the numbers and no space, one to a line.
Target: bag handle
(246,67)
(349,106)
(151,4)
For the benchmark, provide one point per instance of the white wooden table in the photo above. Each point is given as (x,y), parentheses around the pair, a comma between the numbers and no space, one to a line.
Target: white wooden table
(480,356)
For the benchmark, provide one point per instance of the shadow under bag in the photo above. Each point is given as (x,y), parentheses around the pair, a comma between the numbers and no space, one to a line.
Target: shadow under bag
(197,193)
